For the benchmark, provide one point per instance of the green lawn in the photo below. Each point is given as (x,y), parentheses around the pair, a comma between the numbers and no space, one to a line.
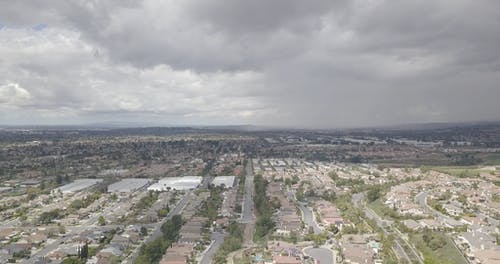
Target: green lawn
(460,171)
(383,210)
(244,260)
(447,254)
(493,159)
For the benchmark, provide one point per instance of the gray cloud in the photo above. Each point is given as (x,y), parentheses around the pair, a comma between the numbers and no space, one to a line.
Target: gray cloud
(310,64)
(248,17)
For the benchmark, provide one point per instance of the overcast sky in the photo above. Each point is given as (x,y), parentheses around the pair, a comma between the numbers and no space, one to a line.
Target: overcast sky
(294,63)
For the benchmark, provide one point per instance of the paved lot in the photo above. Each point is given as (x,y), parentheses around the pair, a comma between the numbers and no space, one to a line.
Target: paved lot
(323,255)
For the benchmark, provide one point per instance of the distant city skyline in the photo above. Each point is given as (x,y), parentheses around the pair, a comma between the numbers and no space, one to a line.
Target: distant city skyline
(312,64)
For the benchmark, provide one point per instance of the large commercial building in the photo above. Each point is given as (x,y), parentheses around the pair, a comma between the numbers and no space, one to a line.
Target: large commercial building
(128,185)
(78,185)
(176,183)
(227,181)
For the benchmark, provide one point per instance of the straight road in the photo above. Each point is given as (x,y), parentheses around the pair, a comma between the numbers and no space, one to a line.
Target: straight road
(157,227)
(217,240)
(207,179)
(247,215)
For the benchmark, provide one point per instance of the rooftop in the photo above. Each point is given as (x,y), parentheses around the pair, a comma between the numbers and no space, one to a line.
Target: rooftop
(177,183)
(227,181)
(78,185)
(128,185)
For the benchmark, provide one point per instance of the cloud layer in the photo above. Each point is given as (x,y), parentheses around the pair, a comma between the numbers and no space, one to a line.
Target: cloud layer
(285,63)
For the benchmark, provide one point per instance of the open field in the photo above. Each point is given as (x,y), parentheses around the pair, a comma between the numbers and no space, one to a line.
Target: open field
(493,159)
(447,254)
(381,209)
(462,171)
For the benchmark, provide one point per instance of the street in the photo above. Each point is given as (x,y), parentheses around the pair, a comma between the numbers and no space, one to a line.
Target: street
(308,217)
(157,227)
(217,240)
(307,214)
(247,215)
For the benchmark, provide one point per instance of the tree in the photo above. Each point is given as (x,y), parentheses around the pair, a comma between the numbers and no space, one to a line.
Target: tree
(101,221)
(238,208)
(334,229)
(387,245)
(275,203)
(329,196)
(47,217)
(84,252)
(59,179)
(152,252)
(72,260)
(294,237)
(162,212)
(300,194)
(231,243)
(144,231)
(333,175)
(32,193)
(264,223)
(433,240)
(356,159)
(76,204)
(62,229)
(373,194)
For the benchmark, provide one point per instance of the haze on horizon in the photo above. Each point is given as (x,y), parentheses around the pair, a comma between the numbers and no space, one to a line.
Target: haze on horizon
(317,63)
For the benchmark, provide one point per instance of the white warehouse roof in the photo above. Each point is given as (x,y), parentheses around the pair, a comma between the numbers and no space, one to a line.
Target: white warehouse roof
(128,185)
(78,185)
(227,181)
(177,183)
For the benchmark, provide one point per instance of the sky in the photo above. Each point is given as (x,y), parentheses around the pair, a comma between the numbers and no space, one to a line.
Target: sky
(288,63)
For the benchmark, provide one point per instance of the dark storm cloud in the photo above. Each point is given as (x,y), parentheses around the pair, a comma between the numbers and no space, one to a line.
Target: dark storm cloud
(296,63)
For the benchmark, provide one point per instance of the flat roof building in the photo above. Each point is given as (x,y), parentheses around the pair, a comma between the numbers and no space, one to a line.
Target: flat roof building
(78,185)
(128,185)
(176,183)
(227,181)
